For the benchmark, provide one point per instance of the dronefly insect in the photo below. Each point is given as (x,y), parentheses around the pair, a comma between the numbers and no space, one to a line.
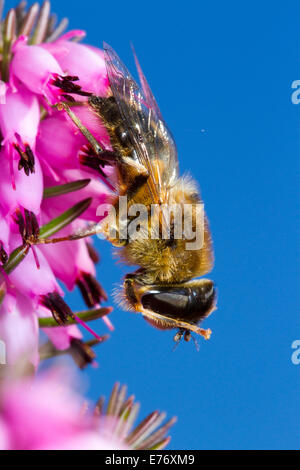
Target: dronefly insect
(164,243)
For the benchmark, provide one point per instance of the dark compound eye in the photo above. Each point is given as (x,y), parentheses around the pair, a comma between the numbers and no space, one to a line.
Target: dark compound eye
(188,303)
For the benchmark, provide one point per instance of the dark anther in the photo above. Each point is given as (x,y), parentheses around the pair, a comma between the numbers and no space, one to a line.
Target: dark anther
(28,226)
(26,159)
(60,310)
(3,254)
(67,85)
(93,254)
(19,219)
(69,98)
(91,290)
(81,353)
(96,161)
(34,226)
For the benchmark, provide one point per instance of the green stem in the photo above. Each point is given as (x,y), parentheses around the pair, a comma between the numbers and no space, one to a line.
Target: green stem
(85,315)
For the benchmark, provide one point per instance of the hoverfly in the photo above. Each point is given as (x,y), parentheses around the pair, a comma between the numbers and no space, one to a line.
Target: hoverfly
(144,154)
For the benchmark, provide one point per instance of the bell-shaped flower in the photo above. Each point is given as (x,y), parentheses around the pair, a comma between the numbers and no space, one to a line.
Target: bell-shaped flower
(19,328)
(42,147)
(19,116)
(81,61)
(19,121)
(67,259)
(28,190)
(32,280)
(47,414)
(36,68)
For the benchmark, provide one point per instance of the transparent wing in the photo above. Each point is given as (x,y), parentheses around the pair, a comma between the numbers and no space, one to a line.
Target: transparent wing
(171,158)
(153,142)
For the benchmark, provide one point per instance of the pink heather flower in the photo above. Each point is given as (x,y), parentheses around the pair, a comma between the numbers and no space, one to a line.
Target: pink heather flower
(28,190)
(4,234)
(46,414)
(29,279)
(19,328)
(36,68)
(62,152)
(19,115)
(41,147)
(19,120)
(95,190)
(61,336)
(68,260)
(82,61)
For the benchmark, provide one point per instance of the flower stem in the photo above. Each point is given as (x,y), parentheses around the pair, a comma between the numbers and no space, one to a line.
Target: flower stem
(85,315)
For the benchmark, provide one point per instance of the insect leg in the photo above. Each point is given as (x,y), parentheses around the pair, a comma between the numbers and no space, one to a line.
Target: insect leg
(109,157)
(88,231)
(91,139)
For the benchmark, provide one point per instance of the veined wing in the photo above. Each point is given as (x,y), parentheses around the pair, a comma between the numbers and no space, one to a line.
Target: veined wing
(153,142)
(170,158)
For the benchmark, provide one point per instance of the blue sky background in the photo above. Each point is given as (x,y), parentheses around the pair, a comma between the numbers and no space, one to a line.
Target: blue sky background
(222,74)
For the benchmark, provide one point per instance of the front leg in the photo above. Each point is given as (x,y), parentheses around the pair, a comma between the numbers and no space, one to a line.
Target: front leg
(132,175)
(87,134)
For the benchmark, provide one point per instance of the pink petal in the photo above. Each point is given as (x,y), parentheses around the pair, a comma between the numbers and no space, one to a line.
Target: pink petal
(3,89)
(62,335)
(95,189)
(4,436)
(29,189)
(30,280)
(19,329)
(20,114)
(92,441)
(4,232)
(29,406)
(35,67)
(83,62)
(68,259)
(62,152)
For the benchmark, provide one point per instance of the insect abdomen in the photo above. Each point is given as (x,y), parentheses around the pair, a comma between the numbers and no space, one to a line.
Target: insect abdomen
(190,303)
